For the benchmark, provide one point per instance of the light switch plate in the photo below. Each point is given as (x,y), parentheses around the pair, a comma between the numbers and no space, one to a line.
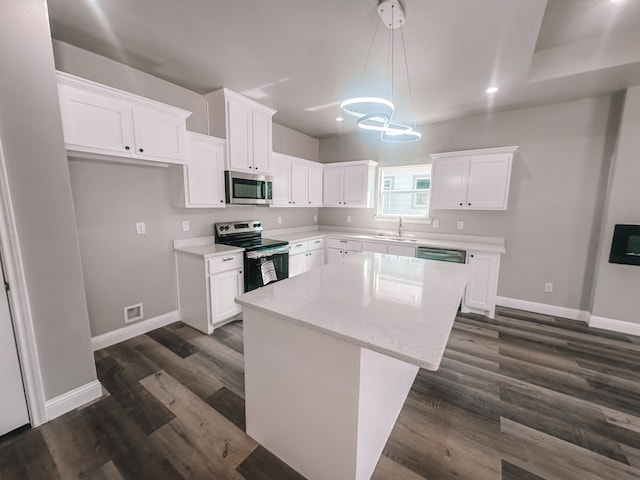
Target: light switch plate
(435,223)
(460,224)
(348,218)
(141,228)
(279,220)
(185,225)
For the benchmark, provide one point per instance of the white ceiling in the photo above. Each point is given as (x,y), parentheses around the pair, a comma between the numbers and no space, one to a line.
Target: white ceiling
(303,57)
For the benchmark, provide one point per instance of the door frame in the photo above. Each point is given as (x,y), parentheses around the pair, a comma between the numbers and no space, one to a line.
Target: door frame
(19,303)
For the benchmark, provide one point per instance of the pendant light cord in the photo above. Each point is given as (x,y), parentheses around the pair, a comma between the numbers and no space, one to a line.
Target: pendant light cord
(406,68)
(366,62)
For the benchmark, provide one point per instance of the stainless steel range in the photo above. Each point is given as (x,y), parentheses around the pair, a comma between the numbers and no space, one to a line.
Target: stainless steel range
(265,260)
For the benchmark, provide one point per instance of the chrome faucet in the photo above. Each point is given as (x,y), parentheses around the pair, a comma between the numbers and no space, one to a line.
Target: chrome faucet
(400,226)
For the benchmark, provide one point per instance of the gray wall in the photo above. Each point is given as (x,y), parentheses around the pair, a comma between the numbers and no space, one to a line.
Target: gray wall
(122,268)
(616,293)
(555,203)
(38,175)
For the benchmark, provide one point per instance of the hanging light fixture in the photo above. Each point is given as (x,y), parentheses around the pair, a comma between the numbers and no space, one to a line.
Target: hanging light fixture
(376,113)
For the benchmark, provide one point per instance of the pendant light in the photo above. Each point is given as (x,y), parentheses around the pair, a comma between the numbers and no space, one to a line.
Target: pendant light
(376,113)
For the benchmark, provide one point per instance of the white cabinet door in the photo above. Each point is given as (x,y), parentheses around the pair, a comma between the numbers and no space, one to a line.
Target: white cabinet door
(94,122)
(402,250)
(261,127)
(481,289)
(489,177)
(314,191)
(204,186)
(314,259)
(297,264)
(332,191)
(281,171)
(238,139)
(298,184)
(355,186)
(159,135)
(334,255)
(224,288)
(449,183)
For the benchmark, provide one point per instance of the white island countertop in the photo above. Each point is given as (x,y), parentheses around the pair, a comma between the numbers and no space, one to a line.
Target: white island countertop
(399,306)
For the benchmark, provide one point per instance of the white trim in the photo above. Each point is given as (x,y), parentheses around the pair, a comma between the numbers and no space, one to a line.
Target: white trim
(73,399)
(545,309)
(130,331)
(620,326)
(20,307)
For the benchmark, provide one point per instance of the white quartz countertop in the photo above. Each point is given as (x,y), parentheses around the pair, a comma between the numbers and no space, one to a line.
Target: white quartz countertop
(400,306)
(204,247)
(458,242)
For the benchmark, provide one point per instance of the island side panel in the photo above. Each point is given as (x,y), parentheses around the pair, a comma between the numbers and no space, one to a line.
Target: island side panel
(385,383)
(302,394)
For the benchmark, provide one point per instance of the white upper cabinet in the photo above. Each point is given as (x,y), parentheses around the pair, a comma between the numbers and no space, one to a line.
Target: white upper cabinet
(471,180)
(247,127)
(296,182)
(349,184)
(103,122)
(200,183)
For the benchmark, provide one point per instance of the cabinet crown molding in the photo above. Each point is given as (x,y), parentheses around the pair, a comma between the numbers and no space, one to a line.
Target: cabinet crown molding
(231,94)
(64,78)
(479,151)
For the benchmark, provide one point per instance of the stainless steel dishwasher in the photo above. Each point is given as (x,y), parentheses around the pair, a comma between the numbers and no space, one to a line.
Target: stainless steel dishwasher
(441,254)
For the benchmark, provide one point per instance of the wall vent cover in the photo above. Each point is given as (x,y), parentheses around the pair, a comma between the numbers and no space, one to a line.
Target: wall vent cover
(133,313)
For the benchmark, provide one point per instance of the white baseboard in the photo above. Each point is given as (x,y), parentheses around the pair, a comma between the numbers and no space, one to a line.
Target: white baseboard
(73,399)
(620,326)
(545,309)
(130,331)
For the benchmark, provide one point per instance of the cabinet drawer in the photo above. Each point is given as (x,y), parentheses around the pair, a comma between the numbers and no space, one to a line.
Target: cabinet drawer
(345,244)
(298,247)
(222,263)
(316,243)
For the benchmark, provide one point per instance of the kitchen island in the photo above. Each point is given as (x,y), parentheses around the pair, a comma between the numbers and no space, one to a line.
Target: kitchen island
(330,356)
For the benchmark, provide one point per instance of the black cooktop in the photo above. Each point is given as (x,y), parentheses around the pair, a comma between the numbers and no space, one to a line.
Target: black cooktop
(253,243)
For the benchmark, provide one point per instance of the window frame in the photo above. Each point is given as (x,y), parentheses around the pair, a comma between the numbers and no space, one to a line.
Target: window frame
(384,170)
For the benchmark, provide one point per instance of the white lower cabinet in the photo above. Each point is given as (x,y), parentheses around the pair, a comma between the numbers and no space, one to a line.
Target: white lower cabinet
(207,287)
(338,249)
(306,255)
(482,287)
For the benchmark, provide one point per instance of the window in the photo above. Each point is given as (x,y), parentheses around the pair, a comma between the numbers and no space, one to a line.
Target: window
(404,191)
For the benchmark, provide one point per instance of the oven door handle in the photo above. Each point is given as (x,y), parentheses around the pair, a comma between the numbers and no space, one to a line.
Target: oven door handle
(268,252)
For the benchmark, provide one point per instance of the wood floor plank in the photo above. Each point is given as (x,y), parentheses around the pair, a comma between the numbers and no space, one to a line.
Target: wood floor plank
(230,405)
(198,379)
(73,445)
(226,443)
(513,472)
(143,408)
(387,469)
(108,471)
(191,454)
(173,342)
(263,465)
(28,457)
(126,444)
(556,458)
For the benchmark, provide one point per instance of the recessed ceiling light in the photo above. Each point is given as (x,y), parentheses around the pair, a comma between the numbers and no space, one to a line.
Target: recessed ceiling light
(339,119)
(492,89)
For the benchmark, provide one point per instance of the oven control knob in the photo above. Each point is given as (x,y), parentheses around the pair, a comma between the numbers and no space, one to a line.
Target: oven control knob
(256,224)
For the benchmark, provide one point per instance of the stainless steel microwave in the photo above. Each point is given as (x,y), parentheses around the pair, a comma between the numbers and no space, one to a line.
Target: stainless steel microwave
(243,188)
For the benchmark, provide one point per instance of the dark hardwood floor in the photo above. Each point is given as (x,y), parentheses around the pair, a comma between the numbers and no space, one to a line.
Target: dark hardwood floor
(521,397)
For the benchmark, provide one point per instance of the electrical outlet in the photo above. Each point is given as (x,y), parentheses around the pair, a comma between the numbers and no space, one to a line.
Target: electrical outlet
(141,228)
(279,220)
(185,225)
(348,218)
(460,225)
(315,218)
(435,223)
(548,287)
